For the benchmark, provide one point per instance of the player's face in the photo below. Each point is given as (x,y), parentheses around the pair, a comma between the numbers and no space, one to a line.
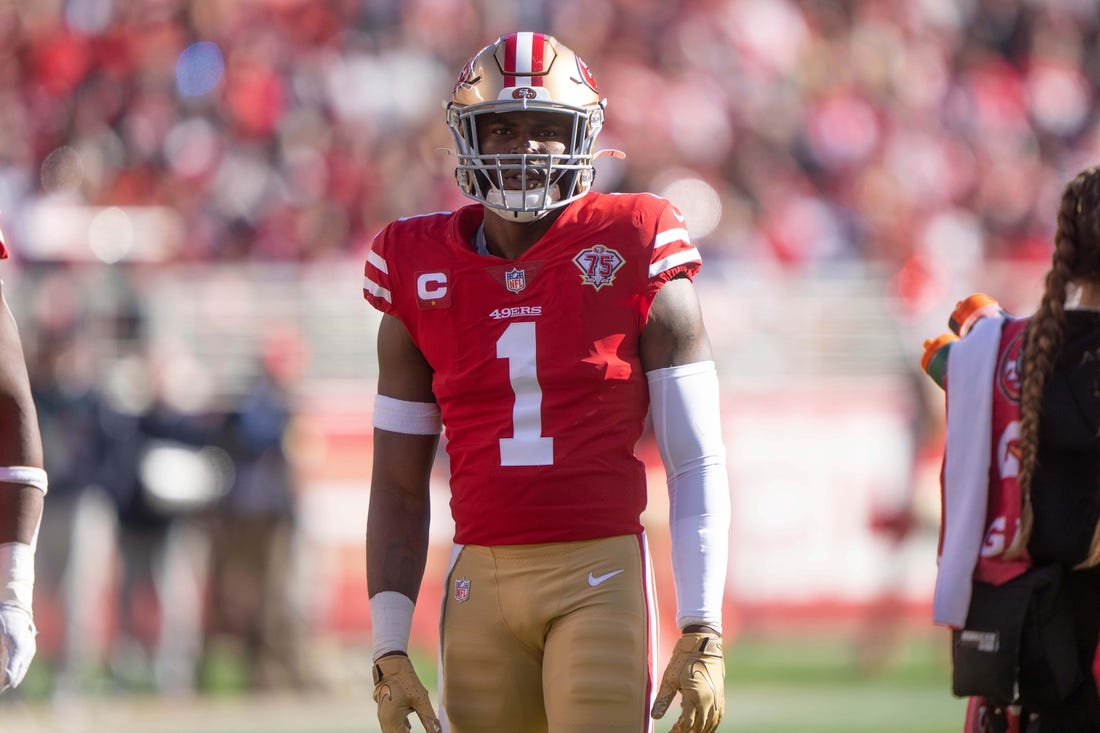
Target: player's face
(530,133)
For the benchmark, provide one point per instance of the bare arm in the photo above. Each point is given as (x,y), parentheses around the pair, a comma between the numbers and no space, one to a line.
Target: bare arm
(399,511)
(20,442)
(674,333)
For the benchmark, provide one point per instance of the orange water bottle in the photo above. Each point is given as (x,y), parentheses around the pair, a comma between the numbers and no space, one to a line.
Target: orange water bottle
(968,311)
(934,359)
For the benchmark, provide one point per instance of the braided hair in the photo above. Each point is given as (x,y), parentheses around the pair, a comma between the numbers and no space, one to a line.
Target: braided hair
(1076,258)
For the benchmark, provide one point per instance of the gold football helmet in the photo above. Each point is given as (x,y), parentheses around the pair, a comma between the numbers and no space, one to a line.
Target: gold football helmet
(525,71)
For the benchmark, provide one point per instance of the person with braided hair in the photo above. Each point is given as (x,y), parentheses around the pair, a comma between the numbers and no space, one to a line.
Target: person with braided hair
(1059,441)
(1021,492)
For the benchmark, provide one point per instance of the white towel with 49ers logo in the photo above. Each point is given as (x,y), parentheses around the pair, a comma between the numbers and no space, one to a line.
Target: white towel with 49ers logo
(981,499)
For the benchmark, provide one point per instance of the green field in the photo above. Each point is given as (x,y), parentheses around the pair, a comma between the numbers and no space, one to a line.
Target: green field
(810,684)
(814,684)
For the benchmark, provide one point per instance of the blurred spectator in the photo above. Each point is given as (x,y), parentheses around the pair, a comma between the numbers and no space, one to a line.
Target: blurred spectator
(254,528)
(170,472)
(76,543)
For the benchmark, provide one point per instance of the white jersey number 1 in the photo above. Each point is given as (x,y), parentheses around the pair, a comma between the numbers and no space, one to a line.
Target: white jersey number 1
(527,446)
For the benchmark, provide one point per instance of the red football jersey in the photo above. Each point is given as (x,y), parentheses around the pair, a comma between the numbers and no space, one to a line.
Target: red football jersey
(537,371)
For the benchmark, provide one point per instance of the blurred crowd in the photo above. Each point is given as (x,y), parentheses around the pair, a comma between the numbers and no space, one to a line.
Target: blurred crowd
(795,131)
(167,547)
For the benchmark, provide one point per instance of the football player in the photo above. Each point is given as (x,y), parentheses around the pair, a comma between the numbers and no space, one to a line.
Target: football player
(538,327)
(22,490)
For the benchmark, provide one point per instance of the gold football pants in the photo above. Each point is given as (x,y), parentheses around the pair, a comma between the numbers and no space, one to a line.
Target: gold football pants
(554,638)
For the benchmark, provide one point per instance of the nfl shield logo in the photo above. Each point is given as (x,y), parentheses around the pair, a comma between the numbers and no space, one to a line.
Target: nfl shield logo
(462,589)
(515,280)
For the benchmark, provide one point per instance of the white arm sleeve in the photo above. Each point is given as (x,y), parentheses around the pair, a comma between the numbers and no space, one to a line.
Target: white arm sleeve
(688,427)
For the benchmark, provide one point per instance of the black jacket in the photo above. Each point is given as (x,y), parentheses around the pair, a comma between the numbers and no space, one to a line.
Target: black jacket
(1066,486)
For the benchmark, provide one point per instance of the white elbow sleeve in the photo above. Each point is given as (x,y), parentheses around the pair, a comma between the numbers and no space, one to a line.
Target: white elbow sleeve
(684,405)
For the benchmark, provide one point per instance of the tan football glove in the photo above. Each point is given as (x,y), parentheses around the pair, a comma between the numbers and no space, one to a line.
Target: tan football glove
(398,692)
(697,671)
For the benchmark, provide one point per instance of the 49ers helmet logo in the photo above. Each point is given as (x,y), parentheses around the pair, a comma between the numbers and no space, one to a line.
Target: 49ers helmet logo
(466,77)
(523,93)
(586,74)
(598,265)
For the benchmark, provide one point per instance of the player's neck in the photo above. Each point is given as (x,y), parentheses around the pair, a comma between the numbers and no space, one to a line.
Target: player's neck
(510,239)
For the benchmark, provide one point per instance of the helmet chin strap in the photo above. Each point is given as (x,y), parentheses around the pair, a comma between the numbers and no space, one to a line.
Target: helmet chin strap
(518,205)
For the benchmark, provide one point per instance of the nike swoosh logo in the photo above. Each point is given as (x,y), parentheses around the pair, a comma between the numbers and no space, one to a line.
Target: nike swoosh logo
(594,580)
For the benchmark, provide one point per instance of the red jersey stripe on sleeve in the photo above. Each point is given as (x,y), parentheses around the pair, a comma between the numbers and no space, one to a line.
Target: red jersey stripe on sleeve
(376,279)
(672,248)
(371,288)
(675,260)
(378,262)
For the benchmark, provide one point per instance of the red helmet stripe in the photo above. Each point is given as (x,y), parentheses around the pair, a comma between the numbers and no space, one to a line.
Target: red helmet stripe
(538,46)
(510,43)
(523,56)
